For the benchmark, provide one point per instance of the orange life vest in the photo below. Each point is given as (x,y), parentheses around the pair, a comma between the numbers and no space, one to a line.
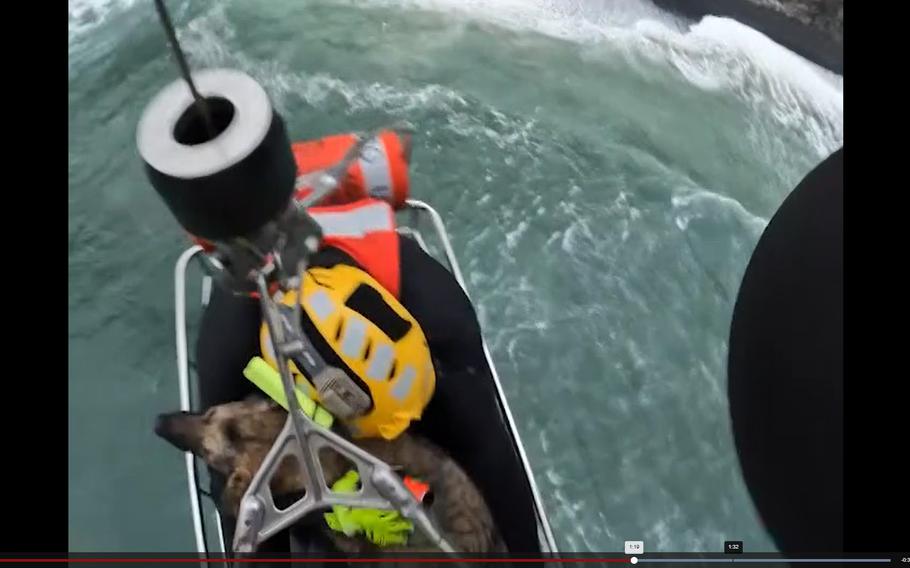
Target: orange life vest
(358,217)
(365,230)
(380,172)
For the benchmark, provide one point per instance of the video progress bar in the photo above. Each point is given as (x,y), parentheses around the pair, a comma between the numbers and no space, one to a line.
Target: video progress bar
(788,560)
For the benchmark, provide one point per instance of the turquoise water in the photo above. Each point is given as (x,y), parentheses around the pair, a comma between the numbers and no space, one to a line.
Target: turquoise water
(605,171)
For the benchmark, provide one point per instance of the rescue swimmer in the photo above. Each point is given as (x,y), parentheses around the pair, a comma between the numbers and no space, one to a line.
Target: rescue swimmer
(374,303)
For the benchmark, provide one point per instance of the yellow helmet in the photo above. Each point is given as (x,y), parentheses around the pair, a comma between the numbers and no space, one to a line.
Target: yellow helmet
(377,375)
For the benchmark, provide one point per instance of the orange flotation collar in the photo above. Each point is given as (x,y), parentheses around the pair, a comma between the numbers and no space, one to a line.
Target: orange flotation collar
(375,184)
(381,171)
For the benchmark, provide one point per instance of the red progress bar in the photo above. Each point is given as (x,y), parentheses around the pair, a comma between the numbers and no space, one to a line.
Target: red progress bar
(304,560)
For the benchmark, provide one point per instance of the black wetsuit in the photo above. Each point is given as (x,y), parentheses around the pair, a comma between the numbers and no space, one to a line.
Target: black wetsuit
(463,416)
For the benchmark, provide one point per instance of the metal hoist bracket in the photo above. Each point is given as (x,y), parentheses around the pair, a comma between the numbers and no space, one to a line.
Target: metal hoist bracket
(381,488)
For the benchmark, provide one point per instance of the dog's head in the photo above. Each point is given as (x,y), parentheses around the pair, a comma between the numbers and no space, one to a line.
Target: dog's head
(232,438)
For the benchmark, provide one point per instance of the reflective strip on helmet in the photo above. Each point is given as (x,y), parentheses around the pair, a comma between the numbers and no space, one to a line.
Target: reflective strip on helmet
(374,163)
(402,386)
(321,304)
(355,334)
(378,370)
(357,222)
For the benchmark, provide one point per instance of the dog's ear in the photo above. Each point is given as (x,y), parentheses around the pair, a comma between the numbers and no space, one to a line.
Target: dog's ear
(236,486)
(258,397)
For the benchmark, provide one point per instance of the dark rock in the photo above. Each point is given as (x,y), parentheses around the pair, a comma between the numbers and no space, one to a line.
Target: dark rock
(826,16)
(811,28)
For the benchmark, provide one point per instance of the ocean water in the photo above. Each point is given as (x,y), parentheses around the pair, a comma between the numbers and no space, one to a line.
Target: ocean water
(605,170)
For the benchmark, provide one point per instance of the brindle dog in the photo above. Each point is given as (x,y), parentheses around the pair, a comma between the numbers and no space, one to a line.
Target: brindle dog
(234,439)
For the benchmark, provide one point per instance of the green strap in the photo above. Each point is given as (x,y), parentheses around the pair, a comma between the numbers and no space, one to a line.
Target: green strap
(268,380)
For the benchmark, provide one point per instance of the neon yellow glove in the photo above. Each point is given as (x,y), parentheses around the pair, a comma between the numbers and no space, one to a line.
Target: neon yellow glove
(382,528)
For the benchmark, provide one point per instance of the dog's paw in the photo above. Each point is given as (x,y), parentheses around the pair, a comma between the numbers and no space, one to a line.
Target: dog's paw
(236,486)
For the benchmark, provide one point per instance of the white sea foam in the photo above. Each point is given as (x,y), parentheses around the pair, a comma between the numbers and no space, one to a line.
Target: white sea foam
(694,203)
(712,54)
(86,15)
